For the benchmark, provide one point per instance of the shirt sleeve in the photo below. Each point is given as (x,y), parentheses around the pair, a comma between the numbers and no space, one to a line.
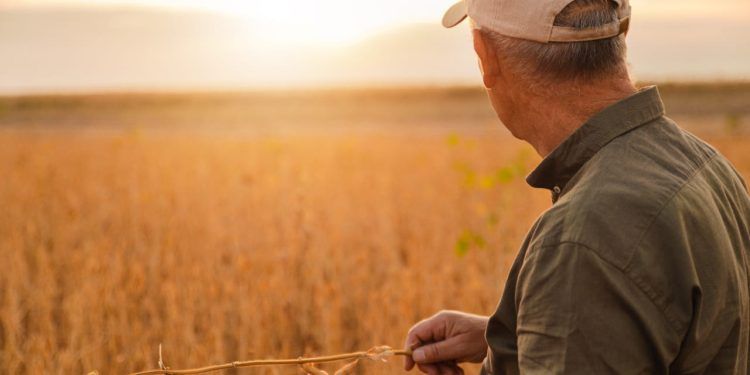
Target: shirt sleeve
(579,314)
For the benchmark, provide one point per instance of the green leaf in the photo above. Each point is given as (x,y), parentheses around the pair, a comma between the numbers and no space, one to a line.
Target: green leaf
(505,175)
(467,241)
(462,247)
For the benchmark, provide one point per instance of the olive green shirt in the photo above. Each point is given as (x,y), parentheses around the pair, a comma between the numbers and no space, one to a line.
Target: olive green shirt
(640,266)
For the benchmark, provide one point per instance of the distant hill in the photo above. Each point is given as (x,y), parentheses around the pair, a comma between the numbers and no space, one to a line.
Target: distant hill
(704,107)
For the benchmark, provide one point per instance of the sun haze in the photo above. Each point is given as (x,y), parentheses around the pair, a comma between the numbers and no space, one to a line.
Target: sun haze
(92,45)
(293,21)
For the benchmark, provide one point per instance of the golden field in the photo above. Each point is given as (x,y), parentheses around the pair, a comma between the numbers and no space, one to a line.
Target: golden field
(235,226)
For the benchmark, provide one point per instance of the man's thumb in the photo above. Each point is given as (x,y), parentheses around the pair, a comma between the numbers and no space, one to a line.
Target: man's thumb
(437,352)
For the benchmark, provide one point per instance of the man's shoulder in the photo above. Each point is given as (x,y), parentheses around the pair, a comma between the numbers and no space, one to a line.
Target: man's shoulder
(658,157)
(620,192)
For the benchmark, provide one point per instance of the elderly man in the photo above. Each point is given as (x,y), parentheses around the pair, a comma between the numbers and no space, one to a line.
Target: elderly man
(641,264)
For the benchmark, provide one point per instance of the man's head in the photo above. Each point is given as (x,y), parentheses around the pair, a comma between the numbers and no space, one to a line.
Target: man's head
(569,46)
(565,61)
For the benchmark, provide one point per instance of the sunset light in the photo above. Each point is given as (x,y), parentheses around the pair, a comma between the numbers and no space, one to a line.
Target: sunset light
(336,22)
(135,44)
(320,22)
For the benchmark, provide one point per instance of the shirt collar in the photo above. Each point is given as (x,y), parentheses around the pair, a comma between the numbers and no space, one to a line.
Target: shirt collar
(563,162)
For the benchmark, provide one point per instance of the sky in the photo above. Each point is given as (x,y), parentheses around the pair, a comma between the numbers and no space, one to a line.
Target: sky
(315,22)
(114,45)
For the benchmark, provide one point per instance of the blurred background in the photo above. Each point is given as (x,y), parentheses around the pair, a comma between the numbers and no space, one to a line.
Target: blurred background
(267,179)
(84,45)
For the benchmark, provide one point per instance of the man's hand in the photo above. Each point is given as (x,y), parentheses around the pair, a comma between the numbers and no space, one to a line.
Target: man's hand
(444,340)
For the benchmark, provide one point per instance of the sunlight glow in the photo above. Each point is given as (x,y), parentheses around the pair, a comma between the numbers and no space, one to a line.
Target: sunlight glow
(325,22)
(311,22)
(318,22)
(339,22)
(97,45)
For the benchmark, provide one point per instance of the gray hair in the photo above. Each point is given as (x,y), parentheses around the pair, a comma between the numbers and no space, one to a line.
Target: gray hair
(571,60)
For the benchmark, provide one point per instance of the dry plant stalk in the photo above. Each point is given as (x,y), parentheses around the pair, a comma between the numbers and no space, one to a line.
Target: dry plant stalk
(378,353)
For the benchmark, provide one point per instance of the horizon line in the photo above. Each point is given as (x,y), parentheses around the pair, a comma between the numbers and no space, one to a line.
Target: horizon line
(311,89)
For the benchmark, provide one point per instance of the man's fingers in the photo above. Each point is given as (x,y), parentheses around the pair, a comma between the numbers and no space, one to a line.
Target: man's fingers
(428,330)
(450,369)
(444,368)
(429,369)
(411,344)
(446,350)
(408,363)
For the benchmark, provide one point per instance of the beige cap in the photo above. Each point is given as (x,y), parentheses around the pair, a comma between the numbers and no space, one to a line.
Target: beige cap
(533,19)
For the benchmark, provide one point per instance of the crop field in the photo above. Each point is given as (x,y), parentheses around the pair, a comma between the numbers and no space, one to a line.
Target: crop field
(237,226)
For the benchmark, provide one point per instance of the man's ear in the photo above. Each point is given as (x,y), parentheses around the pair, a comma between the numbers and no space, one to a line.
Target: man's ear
(488,64)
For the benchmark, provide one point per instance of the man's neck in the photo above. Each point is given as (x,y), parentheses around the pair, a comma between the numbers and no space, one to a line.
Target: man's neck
(552,116)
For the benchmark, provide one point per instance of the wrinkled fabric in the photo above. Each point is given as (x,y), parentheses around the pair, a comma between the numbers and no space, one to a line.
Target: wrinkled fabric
(641,264)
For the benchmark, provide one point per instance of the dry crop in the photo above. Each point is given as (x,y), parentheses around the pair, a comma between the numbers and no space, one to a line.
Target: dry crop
(232,245)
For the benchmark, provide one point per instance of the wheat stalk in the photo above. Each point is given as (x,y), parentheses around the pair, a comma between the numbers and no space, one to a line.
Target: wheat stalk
(378,353)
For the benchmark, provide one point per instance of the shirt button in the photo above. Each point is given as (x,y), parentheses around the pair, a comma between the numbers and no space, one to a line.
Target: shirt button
(555,193)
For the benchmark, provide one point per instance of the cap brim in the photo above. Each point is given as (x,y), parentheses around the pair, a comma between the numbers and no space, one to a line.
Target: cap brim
(457,13)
